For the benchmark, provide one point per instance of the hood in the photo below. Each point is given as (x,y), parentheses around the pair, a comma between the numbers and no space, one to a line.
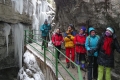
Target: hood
(91,29)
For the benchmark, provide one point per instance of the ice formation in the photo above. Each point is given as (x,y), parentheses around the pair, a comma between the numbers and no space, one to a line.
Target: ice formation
(18,34)
(38,10)
(18,5)
(7,29)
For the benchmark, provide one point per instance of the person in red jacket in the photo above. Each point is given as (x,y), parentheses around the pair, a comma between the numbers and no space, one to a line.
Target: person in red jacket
(79,42)
(57,40)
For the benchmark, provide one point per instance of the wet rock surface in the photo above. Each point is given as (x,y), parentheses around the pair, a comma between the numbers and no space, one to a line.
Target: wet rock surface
(9,73)
(96,13)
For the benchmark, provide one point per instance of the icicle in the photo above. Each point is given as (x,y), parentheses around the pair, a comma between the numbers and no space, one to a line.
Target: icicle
(18,41)
(34,6)
(7,32)
(18,5)
(4,1)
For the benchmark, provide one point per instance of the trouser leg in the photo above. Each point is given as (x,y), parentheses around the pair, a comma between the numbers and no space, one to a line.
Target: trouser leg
(59,48)
(100,72)
(108,73)
(43,42)
(95,68)
(73,54)
(67,54)
(90,68)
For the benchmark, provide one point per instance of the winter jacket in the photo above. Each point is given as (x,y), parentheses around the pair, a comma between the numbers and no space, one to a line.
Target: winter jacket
(45,29)
(104,59)
(91,43)
(79,42)
(57,39)
(69,40)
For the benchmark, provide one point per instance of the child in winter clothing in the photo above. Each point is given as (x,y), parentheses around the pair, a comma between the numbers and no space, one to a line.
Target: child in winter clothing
(106,46)
(57,40)
(79,42)
(69,45)
(91,45)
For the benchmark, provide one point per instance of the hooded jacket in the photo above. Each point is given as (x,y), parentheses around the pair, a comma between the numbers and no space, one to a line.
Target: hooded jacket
(91,42)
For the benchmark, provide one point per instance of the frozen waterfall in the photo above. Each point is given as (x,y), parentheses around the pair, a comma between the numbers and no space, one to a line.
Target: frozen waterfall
(38,10)
(18,33)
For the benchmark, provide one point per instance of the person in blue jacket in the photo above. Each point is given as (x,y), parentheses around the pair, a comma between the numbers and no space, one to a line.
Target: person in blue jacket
(45,28)
(91,45)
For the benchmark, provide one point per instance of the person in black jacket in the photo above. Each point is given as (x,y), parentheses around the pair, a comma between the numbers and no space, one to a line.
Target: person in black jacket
(106,46)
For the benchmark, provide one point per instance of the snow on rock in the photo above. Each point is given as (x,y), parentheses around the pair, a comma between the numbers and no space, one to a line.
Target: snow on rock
(31,70)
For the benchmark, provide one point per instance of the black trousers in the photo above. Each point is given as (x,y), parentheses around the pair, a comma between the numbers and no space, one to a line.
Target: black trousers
(59,48)
(80,57)
(92,67)
(45,38)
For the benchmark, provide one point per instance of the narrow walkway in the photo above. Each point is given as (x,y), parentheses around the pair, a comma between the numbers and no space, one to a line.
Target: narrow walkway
(62,58)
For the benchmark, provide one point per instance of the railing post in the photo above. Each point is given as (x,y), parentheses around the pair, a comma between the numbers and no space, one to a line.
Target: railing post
(56,61)
(44,47)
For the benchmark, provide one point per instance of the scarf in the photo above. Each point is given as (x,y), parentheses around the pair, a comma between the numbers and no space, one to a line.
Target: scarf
(107,45)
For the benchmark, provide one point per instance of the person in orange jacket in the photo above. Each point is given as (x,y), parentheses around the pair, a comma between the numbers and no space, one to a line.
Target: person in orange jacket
(69,45)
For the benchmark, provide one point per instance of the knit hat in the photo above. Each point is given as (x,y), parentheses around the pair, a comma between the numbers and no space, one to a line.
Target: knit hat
(71,25)
(83,28)
(110,29)
(46,20)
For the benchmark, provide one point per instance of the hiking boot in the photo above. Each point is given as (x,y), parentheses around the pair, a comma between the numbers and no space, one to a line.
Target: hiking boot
(68,65)
(83,67)
(73,66)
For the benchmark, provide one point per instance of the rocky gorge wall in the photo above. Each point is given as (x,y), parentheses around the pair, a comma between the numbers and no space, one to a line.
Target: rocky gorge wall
(10,16)
(96,13)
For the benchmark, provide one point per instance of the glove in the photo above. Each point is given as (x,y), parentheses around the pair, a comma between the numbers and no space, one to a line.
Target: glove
(92,51)
(69,37)
(82,44)
(77,43)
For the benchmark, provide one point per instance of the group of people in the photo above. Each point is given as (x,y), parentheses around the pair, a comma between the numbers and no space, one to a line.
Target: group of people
(98,49)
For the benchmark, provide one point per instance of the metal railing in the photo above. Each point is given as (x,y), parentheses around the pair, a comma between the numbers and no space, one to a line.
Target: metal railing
(54,54)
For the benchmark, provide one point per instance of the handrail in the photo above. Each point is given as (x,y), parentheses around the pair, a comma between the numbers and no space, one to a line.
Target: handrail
(55,56)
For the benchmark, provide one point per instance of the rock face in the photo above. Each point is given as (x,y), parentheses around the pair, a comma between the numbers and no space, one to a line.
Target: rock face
(9,15)
(97,13)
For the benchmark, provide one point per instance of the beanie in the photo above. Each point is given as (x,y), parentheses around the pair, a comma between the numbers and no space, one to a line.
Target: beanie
(110,29)
(83,28)
(71,25)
